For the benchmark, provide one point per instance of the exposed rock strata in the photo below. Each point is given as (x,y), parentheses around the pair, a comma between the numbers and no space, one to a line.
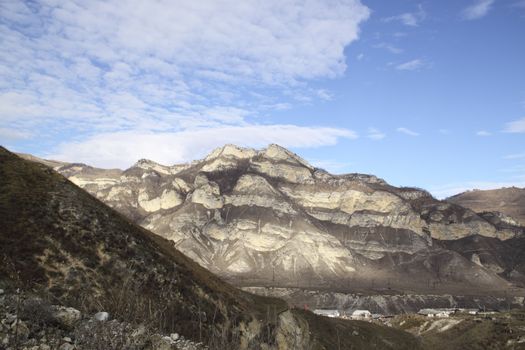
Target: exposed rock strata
(271,218)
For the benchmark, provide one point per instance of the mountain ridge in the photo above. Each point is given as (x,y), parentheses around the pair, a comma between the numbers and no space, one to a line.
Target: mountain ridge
(509,201)
(59,242)
(243,213)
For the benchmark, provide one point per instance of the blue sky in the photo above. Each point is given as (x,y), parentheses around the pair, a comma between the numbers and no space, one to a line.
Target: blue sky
(428,94)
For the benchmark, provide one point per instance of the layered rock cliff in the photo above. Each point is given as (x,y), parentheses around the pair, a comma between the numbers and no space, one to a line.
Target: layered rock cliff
(269,218)
(60,245)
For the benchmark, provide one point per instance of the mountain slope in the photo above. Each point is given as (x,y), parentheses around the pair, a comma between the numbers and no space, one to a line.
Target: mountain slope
(59,241)
(508,201)
(268,218)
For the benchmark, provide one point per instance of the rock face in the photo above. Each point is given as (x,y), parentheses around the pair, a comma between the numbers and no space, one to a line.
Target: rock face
(269,218)
(510,202)
(59,243)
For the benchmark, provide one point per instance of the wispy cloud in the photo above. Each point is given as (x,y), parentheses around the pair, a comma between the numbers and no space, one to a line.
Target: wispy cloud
(514,156)
(407,131)
(483,133)
(390,48)
(324,95)
(375,134)
(113,148)
(477,10)
(519,4)
(517,126)
(412,65)
(13,134)
(411,19)
(84,68)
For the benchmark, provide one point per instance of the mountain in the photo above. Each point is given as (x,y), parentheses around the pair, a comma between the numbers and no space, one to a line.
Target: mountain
(508,201)
(61,243)
(267,218)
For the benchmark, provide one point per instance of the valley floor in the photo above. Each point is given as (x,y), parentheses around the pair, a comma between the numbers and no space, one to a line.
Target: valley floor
(505,330)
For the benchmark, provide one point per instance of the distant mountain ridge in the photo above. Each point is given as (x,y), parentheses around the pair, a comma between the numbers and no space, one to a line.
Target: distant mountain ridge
(509,201)
(267,217)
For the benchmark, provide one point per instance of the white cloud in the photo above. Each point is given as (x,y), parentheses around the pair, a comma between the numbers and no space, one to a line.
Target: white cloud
(483,133)
(99,66)
(324,95)
(407,131)
(444,131)
(412,65)
(411,19)
(360,57)
(517,126)
(477,10)
(375,134)
(13,134)
(121,149)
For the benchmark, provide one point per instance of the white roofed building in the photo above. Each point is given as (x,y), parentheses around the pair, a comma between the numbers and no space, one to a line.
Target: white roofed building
(327,312)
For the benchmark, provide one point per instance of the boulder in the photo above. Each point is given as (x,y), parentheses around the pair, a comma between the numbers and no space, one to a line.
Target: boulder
(101,316)
(66,346)
(66,316)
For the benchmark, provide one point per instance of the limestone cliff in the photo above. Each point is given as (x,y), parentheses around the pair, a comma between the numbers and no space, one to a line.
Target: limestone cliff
(268,217)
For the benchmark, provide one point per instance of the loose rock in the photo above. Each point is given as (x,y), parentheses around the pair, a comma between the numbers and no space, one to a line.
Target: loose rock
(101,316)
(66,316)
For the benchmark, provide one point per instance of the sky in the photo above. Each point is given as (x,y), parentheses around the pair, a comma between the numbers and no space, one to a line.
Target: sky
(420,93)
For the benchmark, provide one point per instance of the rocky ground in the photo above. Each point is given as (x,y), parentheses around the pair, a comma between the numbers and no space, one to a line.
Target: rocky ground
(31,323)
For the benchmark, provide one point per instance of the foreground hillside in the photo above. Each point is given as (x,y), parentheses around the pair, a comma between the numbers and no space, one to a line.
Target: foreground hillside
(59,244)
(268,218)
(508,201)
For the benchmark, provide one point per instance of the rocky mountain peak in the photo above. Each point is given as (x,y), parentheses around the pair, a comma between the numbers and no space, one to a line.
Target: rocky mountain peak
(279,153)
(230,150)
(145,163)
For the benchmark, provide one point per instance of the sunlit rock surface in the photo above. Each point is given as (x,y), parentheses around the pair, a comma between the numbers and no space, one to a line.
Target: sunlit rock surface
(269,218)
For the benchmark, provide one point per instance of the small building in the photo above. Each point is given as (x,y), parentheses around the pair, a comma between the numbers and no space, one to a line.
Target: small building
(327,313)
(361,314)
(468,311)
(436,312)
